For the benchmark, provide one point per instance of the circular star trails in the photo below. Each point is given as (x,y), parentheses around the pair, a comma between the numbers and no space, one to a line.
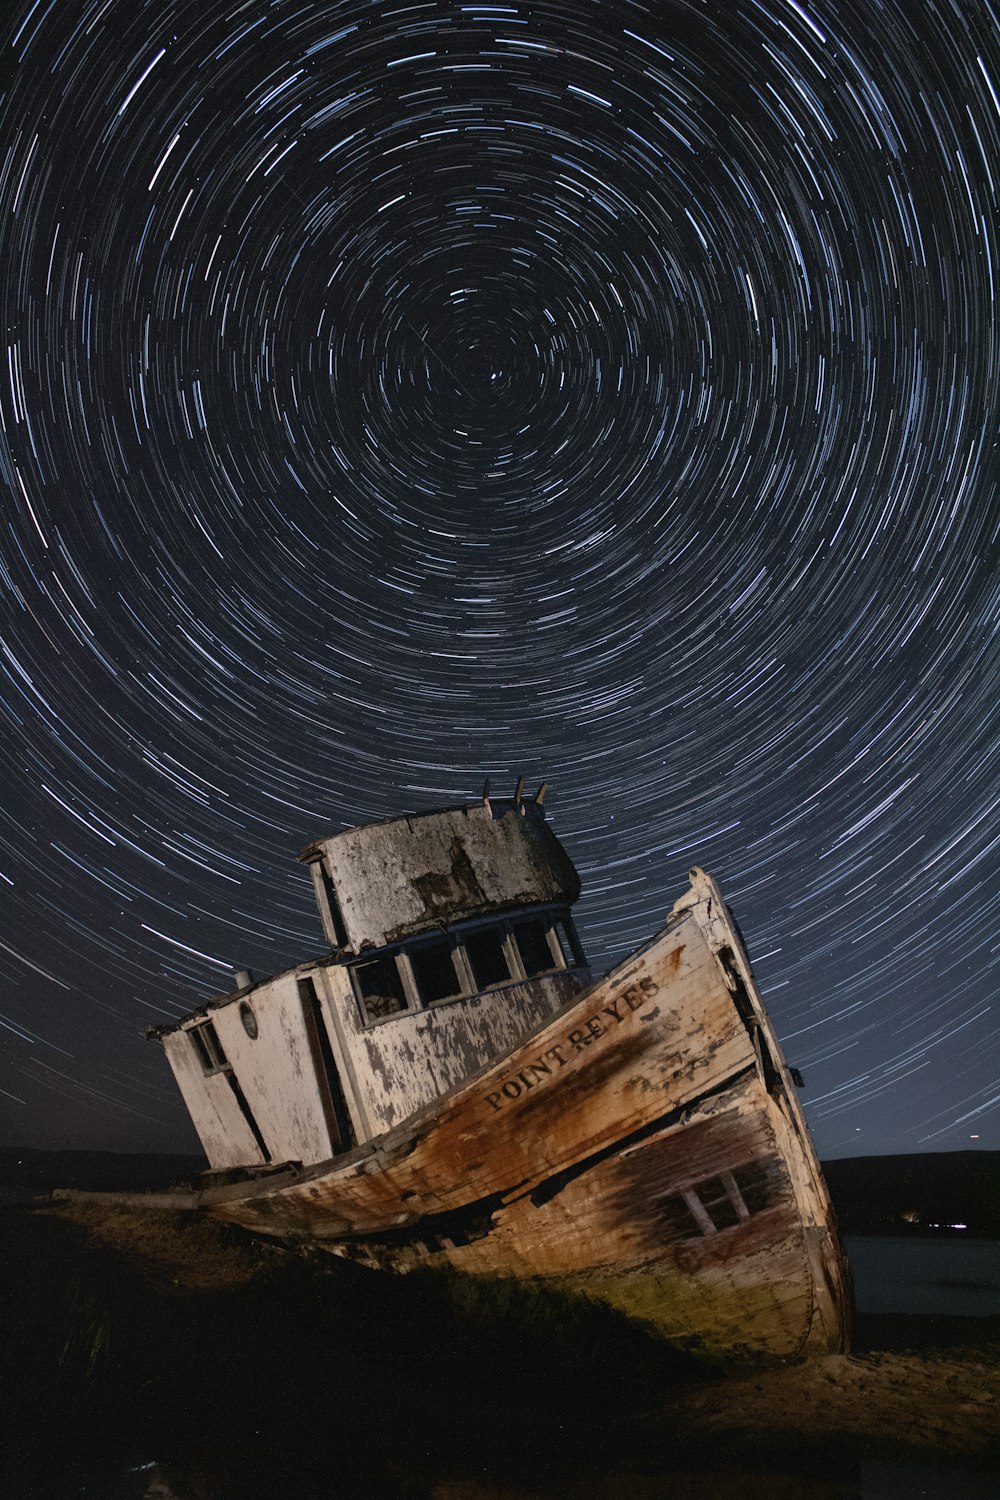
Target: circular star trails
(394,395)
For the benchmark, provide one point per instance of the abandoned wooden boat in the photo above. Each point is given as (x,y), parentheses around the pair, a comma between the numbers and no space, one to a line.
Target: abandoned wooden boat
(446,1086)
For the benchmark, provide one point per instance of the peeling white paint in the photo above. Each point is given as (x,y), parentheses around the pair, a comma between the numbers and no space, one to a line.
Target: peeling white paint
(409,875)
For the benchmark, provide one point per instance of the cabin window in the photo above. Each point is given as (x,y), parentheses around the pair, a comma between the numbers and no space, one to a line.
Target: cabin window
(249,1020)
(754,1184)
(434,971)
(484,948)
(379,987)
(205,1040)
(716,1203)
(676,1221)
(569,945)
(533,946)
(722,1201)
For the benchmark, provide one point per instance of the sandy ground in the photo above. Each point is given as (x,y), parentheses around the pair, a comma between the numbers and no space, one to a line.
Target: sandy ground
(934,1403)
(918,1389)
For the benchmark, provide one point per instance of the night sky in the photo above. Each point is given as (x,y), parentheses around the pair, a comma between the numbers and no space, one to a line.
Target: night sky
(399,395)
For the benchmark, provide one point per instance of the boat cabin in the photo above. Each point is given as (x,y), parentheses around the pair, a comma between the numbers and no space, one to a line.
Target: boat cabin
(450,937)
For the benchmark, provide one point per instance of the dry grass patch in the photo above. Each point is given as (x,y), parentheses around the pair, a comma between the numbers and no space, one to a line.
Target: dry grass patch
(176,1253)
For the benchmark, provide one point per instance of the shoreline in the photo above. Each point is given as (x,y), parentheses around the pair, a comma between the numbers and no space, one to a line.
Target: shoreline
(133,1332)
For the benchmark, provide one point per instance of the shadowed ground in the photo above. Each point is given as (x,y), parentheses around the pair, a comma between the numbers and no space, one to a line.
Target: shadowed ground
(195,1361)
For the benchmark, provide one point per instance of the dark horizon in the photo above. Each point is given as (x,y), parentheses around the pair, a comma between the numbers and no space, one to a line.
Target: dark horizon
(396,399)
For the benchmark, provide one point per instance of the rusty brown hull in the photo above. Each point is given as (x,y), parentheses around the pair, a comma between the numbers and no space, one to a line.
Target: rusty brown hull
(645,1147)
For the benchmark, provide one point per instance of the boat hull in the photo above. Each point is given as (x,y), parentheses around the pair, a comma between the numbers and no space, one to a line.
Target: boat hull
(644,1147)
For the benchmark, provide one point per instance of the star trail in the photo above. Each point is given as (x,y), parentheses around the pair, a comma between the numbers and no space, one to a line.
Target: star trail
(395,395)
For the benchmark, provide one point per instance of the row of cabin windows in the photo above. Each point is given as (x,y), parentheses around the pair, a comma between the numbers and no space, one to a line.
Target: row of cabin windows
(464,963)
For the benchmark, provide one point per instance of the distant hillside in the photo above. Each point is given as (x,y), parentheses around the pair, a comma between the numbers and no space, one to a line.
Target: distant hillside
(912,1194)
(26,1171)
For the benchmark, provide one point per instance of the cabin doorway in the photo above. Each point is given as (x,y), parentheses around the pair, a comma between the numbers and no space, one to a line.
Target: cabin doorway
(327,1073)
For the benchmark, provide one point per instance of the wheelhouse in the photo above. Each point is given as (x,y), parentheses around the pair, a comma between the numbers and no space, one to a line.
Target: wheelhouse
(450,936)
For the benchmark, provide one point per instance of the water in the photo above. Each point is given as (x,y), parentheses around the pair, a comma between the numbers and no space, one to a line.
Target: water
(884,1481)
(949,1277)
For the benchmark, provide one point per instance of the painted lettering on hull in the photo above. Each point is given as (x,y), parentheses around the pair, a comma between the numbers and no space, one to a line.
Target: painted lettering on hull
(604,1022)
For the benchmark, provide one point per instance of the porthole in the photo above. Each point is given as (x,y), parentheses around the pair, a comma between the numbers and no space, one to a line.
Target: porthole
(249,1020)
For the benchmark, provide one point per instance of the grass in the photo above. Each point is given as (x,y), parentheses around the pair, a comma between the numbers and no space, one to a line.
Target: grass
(128,1332)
